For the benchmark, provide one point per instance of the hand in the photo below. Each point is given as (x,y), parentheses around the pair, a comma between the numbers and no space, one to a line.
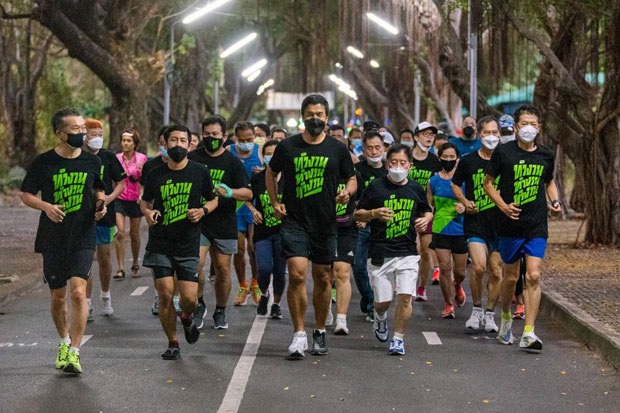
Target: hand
(258,217)
(100,214)
(55,213)
(460,208)
(422,223)
(555,207)
(360,224)
(343,197)
(257,169)
(383,214)
(152,215)
(470,207)
(195,215)
(279,211)
(512,211)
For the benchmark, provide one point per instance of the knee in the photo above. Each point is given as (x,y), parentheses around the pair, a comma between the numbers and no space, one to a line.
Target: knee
(343,275)
(240,251)
(495,273)
(405,299)
(120,235)
(78,294)
(533,278)
(58,299)
(479,268)
(165,297)
(295,280)
(135,235)
(188,301)
(445,268)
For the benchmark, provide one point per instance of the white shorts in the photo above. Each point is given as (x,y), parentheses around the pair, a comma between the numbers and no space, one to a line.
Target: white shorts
(400,273)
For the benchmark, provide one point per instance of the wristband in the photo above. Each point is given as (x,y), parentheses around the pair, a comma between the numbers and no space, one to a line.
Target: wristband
(554,202)
(205,210)
(229,192)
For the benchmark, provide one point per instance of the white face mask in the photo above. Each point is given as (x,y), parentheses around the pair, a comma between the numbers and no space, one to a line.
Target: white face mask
(95,143)
(507,138)
(397,174)
(528,133)
(375,160)
(407,143)
(424,148)
(490,141)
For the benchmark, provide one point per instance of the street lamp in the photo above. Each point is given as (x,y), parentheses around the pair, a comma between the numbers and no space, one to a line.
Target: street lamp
(232,49)
(252,77)
(355,52)
(264,87)
(382,23)
(253,68)
(203,10)
(374,63)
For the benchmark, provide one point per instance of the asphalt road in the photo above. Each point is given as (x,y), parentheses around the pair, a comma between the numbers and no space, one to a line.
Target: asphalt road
(123,370)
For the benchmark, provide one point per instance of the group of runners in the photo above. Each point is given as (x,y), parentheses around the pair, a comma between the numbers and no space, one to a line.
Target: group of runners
(394,212)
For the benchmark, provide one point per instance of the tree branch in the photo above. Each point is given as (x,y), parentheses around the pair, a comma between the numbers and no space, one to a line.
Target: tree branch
(8,16)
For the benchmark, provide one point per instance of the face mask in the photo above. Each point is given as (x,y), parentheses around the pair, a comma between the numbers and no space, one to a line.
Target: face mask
(424,148)
(507,138)
(356,142)
(314,126)
(397,174)
(246,146)
(211,144)
(163,151)
(490,142)
(447,165)
(375,160)
(267,159)
(468,131)
(407,143)
(95,143)
(528,133)
(76,140)
(177,154)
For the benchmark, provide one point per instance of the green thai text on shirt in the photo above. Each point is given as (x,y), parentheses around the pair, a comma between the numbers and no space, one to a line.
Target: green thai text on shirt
(401,221)
(309,171)
(175,198)
(268,218)
(421,176)
(69,189)
(526,182)
(216,175)
(482,200)
(341,209)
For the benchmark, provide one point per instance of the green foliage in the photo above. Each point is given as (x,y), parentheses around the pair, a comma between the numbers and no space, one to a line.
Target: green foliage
(187,42)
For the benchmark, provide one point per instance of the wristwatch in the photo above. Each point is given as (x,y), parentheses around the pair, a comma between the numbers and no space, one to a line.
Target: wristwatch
(553,203)
(206,210)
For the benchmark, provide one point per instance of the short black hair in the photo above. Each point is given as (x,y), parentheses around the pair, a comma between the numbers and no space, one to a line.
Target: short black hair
(58,120)
(263,126)
(486,119)
(196,134)
(397,148)
(162,130)
(372,134)
(267,144)
(180,128)
(526,109)
(336,126)
(278,129)
(244,125)
(371,125)
(447,146)
(215,120)
(314,100)
(406,130)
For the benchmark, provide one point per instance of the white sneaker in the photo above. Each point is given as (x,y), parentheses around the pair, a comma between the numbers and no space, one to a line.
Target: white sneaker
(341,327)
(298,346)
(91,317)
(531,343)
(330,316)
(489,322)
(107,306)
(476,318)
(505,332)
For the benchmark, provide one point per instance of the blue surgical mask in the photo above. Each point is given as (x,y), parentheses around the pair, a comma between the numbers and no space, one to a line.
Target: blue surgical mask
(356,142)
(267,159)
(246,146)
(163,151)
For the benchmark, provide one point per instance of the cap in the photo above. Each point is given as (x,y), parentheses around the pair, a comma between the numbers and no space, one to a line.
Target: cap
(388,139)
(370,125)
(506,122)
(422,126)
(441,135)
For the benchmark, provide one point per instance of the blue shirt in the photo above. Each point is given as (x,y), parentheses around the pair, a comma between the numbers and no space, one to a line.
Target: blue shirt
(446,220)
(465,146)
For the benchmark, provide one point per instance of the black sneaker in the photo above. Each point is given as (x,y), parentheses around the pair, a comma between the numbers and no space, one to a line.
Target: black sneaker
(199,314)
(276,312)
(319,345)
(191,333)
(219,320)
(262,305)
(171,353)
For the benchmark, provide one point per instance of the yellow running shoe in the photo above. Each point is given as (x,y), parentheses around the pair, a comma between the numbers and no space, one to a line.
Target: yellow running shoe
(61,358)
(73,365)
(242,296)
(256,294)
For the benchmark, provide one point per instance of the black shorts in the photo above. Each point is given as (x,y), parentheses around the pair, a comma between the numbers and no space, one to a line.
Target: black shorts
(455,243)
(59,267)
(129,209)
(347,244)
(186,268)
(297,242)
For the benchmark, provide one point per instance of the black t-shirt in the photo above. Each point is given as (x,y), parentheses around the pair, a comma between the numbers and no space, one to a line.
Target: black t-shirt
(344,212)
(311,174)
(173,193)
(150,165)
(262,202)
(111,172)
(225,169)
(396,238)
(68,182)
(421,171)
(366,174)
(523,178)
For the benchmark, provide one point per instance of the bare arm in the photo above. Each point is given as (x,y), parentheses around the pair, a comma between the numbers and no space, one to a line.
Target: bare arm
(271,182)
(470,206)
(511,210)
(552,194)
(119,187)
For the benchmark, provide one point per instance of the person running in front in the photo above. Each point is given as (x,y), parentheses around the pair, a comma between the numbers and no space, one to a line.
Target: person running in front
(525,171)
(480,226)
(72,200)
(396,208)
(112,175)
(448,237)
(312,163)
(176,197)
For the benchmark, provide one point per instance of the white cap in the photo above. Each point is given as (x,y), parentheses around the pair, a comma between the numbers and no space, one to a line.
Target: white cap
(388,139)
(422,126)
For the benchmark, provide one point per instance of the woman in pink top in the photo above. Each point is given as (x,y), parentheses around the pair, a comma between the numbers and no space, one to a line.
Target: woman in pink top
(127,203)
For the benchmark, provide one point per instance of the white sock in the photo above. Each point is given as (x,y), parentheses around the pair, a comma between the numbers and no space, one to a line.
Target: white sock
(89,302)
(381,316)
(77,350)
(341,317)
(66,340)
(399,336)
(105,294)
(300,332)
(176,297)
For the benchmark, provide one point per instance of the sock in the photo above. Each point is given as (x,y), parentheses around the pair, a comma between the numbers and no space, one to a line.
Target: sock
(254,282)
(66,340)
(381,316)
(322,330)
(478,306)
(77,350)
(490,310)
(217,307)
(174,343)
(176,298)
(105,294)
(399,336)
(506,316)
(342,317)
(201,301)
(89,302)
(243,284)
(528,329)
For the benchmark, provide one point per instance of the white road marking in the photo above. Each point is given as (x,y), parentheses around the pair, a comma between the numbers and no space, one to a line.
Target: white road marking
(85,338)
(139,290)
(432,338)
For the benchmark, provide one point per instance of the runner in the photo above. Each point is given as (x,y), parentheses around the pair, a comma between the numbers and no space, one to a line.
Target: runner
(448,238)
(480,226)
(395,207)
(72,199)
(112,175)
(526,171)
(312,164)
(248,153)
(267,239)
(440,138)
(219,229)
(127,204)
(406,138)
(469,142)
(176,197)
(194,142)
(354,137)
(278,134)
(337,131)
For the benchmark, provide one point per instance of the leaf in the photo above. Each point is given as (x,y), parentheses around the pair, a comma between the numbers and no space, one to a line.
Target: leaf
(485,401)
(286,388)
(168,381)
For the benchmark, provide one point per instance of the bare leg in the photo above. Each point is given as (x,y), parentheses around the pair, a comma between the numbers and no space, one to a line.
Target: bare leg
(239,259)
(425,258)
(403,313)
(445,274)
(59,311)
(342,272)
(478,254)
(532,289)
(119,241)
(495,279)
(296,293)
(134,234)
(509,281)
(321,294)
(167,315)
(189,298)
(204,250)
(105,267)
(252,253)
(79,310)
(222,277)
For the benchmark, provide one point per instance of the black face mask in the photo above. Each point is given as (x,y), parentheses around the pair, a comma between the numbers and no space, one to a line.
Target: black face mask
(468,131)
(211,144)
(447,165)
(314,126)
(177,153)
(75,140)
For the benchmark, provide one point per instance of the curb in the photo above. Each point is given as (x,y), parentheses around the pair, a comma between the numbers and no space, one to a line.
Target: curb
(585,327)
(32,283)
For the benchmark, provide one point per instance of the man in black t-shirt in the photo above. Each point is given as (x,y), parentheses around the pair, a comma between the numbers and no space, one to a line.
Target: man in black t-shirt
(72,200)
(312,164)
(176,197)
(525,171)
(112,175)
(219,230)
(395,207)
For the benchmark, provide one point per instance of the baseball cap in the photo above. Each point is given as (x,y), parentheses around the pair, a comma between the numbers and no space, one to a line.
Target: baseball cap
(388,139)
(506,122)
(422,126)
(370,125)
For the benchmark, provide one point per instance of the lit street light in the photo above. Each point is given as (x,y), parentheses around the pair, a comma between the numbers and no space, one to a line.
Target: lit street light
(232,49)
(203,10)
(382,23)
(264,87)
(256,66)
(355,52)
(374,64)
(252,77)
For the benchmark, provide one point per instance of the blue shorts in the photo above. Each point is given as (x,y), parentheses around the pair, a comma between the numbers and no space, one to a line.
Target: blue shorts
(105,235)
(492,244)
(512,249)
(243,221)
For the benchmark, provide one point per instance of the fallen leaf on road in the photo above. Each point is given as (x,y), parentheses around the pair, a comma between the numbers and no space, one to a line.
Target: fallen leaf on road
(429,362)
(562,372)
(563,394)
(412,373)
(168,381)
(455,370)
(312,396)
(485,401)
(286,388)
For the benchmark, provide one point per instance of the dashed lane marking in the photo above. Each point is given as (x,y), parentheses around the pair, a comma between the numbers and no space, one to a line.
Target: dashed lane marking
(432,338)
(139,291)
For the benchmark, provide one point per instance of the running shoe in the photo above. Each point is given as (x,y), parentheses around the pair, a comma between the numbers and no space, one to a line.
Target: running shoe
(341,328)
(171,353)
(489,322)
(519,312)
(219,320)
(319,345)
(333,295)
(435,278)
(530,343)
(276,312)
(91,316)
(397,347)
(175,302)
(242,296)
(298,346)
(73,365)
(329,321)
(505,332)
(475,320)
(459,295)
(262,305)
(107,309)
(448,311)
(256,294)
(370,316)
(199,315)
(191,330)
(63,352)
(364,304)
(380,328)
(421,294)
(155,308)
